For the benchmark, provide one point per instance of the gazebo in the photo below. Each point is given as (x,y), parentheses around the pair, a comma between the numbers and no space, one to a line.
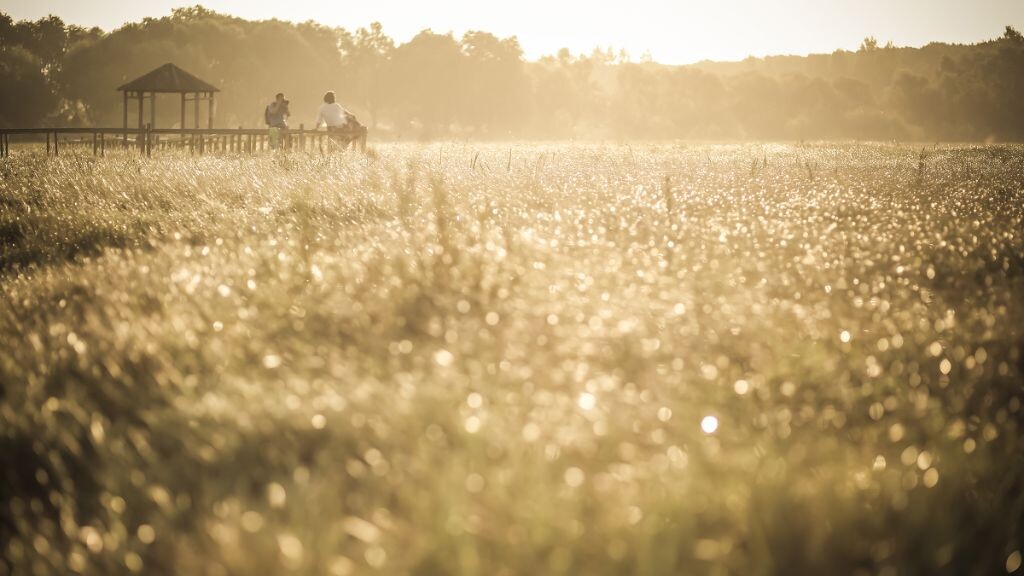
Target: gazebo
(169,79)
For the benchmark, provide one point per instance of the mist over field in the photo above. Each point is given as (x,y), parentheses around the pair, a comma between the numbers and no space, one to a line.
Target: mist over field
(477,314)
(478,85)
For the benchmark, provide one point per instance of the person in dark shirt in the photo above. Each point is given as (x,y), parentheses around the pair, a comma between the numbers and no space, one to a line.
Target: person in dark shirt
(276,116)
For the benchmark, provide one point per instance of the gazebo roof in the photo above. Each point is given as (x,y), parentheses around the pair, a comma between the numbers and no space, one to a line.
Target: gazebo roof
(168,79)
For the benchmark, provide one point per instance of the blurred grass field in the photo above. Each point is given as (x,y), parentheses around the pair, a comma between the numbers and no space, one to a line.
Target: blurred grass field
(536,359)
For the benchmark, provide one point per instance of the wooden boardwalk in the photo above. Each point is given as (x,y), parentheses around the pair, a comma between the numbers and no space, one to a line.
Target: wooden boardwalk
(197,141)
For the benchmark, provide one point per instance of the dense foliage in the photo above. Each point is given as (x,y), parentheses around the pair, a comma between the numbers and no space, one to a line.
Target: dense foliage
(544,360)
(479,85)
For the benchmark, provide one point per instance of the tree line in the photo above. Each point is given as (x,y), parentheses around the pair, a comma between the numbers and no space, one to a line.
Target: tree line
(480,86)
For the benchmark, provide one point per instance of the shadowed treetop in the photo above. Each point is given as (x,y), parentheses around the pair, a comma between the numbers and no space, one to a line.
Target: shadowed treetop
(168,79)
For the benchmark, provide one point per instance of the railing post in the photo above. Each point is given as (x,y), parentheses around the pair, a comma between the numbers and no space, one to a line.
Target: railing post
(56,150)
(149,139)
(103,144)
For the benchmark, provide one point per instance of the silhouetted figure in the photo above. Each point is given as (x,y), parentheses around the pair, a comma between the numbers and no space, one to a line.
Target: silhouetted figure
(342,125)
(276,116)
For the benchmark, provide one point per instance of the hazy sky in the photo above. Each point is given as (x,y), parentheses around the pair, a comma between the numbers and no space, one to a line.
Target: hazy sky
(674,31)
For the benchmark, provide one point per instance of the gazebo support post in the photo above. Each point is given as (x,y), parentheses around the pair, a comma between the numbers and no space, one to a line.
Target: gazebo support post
(195,111)
(209,110)
(141,103)
(125,126)
(152,108)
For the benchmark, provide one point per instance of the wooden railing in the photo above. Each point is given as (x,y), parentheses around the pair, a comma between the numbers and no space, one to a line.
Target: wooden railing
(195,140)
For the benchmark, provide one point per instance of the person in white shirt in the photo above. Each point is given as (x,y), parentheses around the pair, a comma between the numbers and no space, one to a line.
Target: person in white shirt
(347,130)
(332,114)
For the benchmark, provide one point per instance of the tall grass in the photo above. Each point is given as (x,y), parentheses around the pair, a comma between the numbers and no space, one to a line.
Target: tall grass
(404,365)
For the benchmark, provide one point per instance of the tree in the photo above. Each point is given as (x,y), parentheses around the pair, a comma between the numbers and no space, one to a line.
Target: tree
(434,84)
(367,66)
(45,38)
(498,89)
(249,62)
(27,96)
(870,44)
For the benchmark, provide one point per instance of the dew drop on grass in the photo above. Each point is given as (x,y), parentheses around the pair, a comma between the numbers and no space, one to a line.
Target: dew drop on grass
(879,463)
(945,366)
(586,401)
(276,495)
(574,477)
(531,432)
(252,521)
(664,414)
(443,358)
(1013,561)
(291,548)
(709,424)
(146,534)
